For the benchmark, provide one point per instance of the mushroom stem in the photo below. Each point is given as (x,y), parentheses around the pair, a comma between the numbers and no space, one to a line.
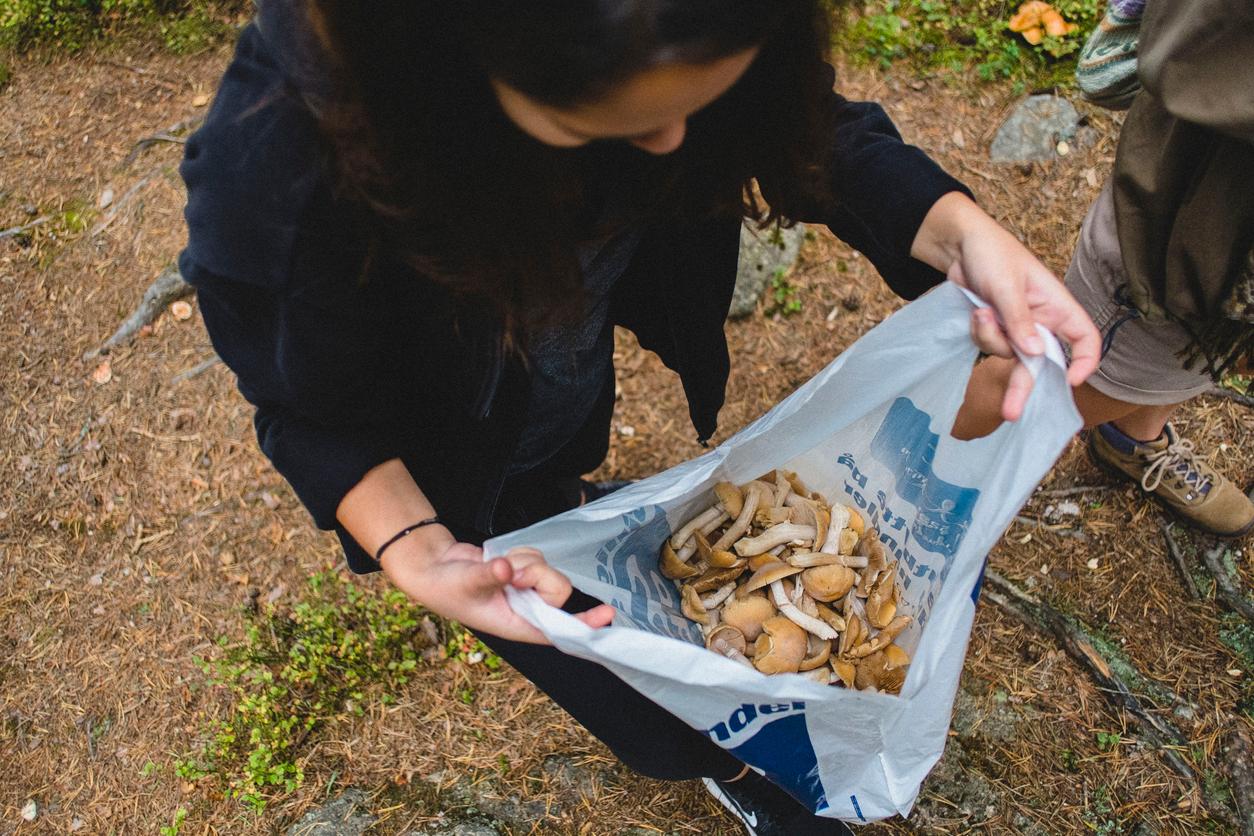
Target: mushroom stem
(691,547)
(782,490)
(721,647)
(807,560)
(719,596)
(774,536)
(699,521)
(753,493)
(789,610)
(840,519)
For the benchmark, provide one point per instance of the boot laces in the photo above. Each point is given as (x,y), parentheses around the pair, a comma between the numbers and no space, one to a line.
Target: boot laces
(1178,457)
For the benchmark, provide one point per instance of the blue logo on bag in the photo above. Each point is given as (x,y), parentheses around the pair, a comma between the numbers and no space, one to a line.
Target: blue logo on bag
(629,562)
(906,446)
(774,738)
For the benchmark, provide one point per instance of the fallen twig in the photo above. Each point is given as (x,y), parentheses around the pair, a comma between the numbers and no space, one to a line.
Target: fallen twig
(166,288)
(1225,588)
(18,230)
(148,74)
(1173,549)
(1237,750)
(117,205)
(1231,395)
(1075,639)
(1065,492)
(1059,528)
(170,134)
(196,370)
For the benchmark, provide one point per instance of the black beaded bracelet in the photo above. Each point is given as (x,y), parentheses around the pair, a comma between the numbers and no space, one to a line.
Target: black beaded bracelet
(378,556)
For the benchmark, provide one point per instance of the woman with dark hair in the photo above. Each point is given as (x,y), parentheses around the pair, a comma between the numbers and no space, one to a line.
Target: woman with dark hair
(414,227)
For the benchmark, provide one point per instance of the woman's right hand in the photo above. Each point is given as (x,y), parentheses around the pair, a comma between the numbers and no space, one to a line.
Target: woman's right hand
(453,580)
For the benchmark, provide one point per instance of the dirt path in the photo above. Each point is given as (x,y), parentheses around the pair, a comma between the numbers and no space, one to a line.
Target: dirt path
(137,518)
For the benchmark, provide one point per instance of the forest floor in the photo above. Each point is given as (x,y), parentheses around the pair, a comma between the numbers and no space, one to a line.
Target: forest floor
(139,523)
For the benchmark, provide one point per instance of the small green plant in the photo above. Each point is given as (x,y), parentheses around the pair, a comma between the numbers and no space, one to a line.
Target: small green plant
(148,769)
(76,218)
(173,828)
(184,25)
(1096,817)
(338,647)
(1108,741)
(784,295)
(464,646)
(1069,761)
(960,37)
(196,32)
(1238,636)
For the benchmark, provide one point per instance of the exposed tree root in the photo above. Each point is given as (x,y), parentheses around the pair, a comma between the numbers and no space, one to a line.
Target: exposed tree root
(1226,589)
(1177,557)
(166,288)
(1077,640)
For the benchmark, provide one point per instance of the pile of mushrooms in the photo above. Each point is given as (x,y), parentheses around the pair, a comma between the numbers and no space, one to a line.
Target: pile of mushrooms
(783,582)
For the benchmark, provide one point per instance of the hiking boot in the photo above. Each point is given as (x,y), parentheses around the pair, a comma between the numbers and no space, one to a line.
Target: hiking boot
(1170,471)
(766,810)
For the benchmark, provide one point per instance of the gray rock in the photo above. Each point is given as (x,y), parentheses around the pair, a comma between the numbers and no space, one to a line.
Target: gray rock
(1033,130)
(763,254)
(339,817)
(485,797)
(983,717)
(572,777)
(461,828)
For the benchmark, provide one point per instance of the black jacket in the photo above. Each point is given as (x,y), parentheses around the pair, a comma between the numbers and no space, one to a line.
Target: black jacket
(347,374)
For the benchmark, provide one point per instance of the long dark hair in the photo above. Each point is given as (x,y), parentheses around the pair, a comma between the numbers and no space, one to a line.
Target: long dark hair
(471,201)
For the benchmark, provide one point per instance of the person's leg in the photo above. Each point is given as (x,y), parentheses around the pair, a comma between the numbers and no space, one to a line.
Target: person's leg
(654,742)
(642,734)
(1144,422)
(981,409)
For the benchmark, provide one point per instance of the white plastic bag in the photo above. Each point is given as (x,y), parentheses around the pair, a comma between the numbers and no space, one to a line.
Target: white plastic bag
(870,430)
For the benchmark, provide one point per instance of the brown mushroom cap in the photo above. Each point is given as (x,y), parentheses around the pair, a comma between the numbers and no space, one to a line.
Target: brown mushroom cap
(818,651)
(727,634)
(881,602)
(715,578)
(856,523)
(877,558)
(830,616)
(870,671)
(781,647)
(730,497)
(895,657)
(827,583)
(766,575)
(798,486)
(846,670)
(747,614)
(720,559)
(671,566)
(692,607)
(703,547)
(759,560)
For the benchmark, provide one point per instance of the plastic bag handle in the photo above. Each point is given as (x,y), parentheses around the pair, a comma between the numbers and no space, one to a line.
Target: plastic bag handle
(1034,362)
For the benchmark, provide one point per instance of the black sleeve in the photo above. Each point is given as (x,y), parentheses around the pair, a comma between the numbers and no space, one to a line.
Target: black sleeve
(274,261)
(299,360)
(882,188)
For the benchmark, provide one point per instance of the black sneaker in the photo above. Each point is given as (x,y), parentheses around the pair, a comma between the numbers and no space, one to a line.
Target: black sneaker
(766,810)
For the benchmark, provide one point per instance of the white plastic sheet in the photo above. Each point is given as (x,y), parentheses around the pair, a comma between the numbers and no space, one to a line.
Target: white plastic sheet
(870,430)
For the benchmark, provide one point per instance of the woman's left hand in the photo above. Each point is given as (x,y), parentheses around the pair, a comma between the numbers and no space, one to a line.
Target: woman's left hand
(975,252)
